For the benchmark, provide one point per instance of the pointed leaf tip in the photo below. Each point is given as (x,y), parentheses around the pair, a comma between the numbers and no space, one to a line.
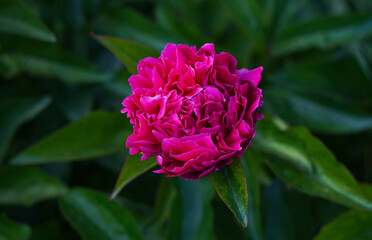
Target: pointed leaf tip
(133,167)
(230,184)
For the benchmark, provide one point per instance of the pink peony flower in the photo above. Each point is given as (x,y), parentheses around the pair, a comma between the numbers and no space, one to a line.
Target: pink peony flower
(192,109)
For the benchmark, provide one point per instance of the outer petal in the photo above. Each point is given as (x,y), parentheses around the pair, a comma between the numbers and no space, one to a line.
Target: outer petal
(253,75)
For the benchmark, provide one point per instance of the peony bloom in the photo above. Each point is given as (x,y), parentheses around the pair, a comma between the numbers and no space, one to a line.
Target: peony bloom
(192,109)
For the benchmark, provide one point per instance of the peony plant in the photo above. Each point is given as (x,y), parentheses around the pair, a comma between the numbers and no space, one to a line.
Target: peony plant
(192,115)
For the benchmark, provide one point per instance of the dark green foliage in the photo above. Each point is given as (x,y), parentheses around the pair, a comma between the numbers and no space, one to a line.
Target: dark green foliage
(13,114)
(191,213)
(132,168)
(97,134)
(357,222)
(251,169)
(129,53)
(27,185)
(96,218)
(10,230)
(231,186)
(17,18)
(61,88)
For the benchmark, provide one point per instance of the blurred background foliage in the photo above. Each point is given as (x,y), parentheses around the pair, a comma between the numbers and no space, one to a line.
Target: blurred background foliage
(62,136)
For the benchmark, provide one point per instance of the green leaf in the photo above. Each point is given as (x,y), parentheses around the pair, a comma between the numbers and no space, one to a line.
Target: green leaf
(250,166)
(27,185)
(282,144)
(97,134)
(95,218)
(129,53)
(352,225)
(17,18)
(131,25)
(325,33)
(316,112)
(132,168)
(231,186)
(330,179)
(13,114)
(48,60)
(191,215)
(10,230)
(367,190)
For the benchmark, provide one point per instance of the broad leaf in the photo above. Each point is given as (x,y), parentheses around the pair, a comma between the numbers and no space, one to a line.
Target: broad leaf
(95,218)
(129,53)
(330,179)
(10,230)
(13,114)
(352,225)
(97,134)
(250,166)
(27,185)
(48,60)
(325,32)
(132,168)
(282,144)
(191,215)
(17,18)
(231,186)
